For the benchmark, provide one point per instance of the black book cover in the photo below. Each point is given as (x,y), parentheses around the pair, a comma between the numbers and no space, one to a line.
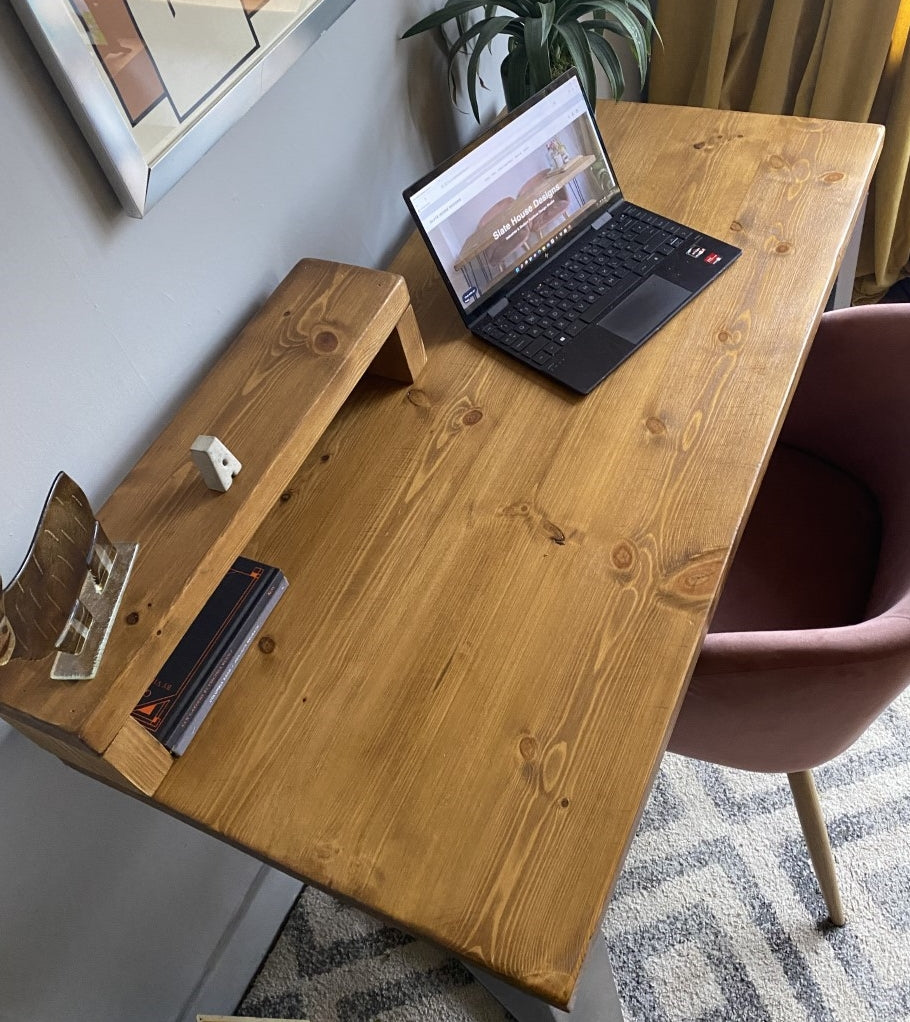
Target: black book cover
(206,694)
(218,629)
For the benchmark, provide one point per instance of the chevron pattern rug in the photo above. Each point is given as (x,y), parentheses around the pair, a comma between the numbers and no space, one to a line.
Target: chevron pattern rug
(716,918)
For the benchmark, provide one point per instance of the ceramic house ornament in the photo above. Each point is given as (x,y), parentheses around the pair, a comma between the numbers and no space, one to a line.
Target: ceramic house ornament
(215,462)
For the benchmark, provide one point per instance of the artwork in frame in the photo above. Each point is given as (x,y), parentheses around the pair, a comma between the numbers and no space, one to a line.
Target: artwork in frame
(155,83)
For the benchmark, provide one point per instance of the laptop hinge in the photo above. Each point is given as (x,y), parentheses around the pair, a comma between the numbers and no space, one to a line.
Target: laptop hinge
(497,307)
(601,220)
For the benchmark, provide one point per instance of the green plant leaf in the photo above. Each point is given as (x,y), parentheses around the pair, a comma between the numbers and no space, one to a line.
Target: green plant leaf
(609,61)
(454,10)
(536,38)
(460,45)
(488,30)
(516,76)
(505,26)
(576,41)
(575,9)
(632,28)
(644,9)
(601,25)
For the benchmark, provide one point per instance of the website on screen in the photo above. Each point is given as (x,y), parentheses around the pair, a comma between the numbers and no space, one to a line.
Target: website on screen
(510,199)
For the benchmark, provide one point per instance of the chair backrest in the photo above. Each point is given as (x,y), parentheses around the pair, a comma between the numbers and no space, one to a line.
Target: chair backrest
(791,700)
(854,411)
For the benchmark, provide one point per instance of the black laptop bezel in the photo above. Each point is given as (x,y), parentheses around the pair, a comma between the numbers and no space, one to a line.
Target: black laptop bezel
(473,313)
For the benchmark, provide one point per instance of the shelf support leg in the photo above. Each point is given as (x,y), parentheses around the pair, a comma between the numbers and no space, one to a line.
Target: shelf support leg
(402,356)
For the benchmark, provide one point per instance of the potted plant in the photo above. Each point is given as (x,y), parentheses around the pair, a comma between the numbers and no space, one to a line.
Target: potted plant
(544,40)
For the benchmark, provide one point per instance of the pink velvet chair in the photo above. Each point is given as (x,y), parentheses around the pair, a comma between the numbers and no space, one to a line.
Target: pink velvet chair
(811,638)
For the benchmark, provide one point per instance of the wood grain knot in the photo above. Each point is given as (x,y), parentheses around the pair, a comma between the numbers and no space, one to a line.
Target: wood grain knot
(266,644)
(696,581)
(286,496)
(564,803)
(472,417)
(325,457)
(777,162)
(832,176)
(325,342)
(417,397)
(528,748)
(553,765)
(655,426)
(554,532)
(623,556)
(783,248)
(133,617)
(725,337)
(519,510)
(735,225)
(286,313)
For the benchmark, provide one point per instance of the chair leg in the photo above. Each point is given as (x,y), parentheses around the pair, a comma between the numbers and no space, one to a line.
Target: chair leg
(809,810)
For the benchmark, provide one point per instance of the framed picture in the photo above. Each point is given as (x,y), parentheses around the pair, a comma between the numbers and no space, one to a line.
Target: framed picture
(155,83)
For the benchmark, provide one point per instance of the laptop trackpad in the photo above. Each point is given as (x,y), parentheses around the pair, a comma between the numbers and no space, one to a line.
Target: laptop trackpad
(647,308)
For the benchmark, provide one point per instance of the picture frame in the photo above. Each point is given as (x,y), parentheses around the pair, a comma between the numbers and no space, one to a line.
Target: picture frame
(153,84)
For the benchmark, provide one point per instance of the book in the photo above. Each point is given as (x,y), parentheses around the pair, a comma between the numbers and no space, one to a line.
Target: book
(227,622)
(208,692)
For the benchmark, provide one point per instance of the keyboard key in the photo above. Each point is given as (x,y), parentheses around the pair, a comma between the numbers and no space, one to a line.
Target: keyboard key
(536,344)
(613,294)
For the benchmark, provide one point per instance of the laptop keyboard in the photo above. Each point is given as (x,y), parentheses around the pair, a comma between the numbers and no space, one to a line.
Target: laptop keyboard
(545,315)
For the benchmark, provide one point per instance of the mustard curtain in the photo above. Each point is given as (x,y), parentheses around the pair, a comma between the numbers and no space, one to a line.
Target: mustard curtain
(842,59)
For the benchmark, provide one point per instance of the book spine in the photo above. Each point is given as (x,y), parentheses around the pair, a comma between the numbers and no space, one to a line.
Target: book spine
(233,622)
(213,631)
(192,719)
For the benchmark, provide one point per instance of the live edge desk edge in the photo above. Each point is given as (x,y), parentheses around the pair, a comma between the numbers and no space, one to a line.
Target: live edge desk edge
(498,589)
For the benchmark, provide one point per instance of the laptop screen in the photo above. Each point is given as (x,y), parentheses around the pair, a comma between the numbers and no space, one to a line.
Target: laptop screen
(504,202)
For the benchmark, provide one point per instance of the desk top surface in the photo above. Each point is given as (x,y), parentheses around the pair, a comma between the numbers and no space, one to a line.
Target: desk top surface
(498,589)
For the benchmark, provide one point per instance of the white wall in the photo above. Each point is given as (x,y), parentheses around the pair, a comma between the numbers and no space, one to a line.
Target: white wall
(109,910)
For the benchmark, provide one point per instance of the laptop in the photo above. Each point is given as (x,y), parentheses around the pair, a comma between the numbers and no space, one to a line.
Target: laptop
(541,253)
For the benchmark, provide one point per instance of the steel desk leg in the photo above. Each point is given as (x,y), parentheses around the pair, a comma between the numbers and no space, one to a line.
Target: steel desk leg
(842,294)
(595,997)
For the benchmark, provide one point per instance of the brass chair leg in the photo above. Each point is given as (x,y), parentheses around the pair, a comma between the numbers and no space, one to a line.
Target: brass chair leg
(809,810)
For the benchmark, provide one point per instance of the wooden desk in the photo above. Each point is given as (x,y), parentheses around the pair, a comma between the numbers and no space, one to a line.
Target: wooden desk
(498,589)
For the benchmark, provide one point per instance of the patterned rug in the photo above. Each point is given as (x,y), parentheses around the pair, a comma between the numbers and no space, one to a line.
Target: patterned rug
(716,918)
